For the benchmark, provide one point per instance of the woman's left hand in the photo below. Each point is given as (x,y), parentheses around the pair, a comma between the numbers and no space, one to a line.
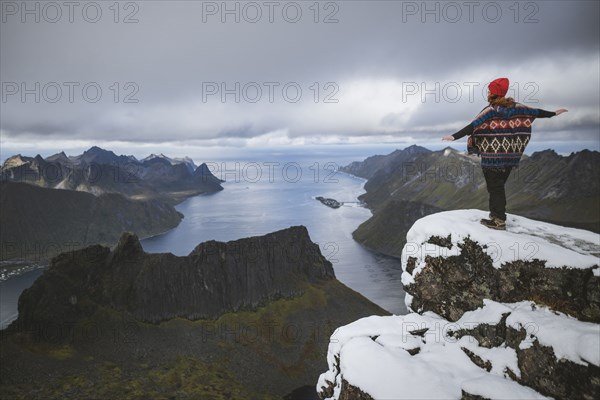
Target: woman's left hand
(448,138)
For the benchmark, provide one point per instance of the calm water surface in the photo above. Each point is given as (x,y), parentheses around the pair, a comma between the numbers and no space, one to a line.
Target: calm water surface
(265,193)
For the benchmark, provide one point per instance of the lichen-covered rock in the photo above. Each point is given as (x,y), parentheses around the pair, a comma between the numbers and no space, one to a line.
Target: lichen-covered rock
(561,379)
(538,365)
(350,392)
(450,275)
(449,286)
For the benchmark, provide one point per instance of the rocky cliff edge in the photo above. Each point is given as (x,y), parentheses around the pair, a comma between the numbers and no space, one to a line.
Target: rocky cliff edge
(496,314)
(215,278)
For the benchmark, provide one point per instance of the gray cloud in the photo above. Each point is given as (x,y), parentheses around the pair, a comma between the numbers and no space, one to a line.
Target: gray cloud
(370,55)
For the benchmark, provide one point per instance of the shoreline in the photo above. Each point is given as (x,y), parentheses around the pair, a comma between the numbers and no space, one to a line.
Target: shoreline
(46,262)
(6,274)
(352,176)
(177,226)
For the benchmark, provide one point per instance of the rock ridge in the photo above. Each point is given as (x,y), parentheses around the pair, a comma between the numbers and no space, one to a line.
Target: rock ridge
(213,279)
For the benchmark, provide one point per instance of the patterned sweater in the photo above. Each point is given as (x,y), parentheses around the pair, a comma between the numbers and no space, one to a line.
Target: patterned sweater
(499,135)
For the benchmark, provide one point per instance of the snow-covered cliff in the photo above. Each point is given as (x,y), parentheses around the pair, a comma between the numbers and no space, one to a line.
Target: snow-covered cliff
(511,314)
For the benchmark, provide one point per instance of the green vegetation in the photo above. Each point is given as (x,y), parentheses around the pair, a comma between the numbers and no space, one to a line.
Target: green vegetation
(260,354)
(409,184)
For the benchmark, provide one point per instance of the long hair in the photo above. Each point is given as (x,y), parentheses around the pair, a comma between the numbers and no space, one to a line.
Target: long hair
(500,101)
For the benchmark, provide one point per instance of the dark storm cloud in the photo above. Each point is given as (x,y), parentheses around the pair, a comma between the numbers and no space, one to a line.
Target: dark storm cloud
(155,75)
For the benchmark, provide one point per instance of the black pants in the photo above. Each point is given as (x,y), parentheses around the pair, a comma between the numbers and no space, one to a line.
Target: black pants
(495,180)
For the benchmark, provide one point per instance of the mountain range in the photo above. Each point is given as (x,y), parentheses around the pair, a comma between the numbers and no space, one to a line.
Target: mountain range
(408,184)
(58,203)
(102,171)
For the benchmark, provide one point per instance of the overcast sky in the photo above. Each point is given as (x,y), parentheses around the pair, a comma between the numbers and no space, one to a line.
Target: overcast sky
(174,74)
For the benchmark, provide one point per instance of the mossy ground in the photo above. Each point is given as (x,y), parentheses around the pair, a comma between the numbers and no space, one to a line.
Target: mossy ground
(251,354)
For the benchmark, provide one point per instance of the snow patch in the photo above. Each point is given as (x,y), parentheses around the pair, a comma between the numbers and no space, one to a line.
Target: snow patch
(495,387)
(525,239)
(570,338)
(491,313)
(373,353)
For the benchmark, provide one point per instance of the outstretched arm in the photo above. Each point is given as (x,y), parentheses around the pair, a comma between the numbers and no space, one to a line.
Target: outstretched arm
(549,114)
(467,130)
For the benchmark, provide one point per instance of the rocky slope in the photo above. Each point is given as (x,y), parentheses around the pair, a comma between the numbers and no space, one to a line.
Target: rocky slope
(245,319)
(546,186)
(380,232)
(384,164)
(38,223)
(512,314)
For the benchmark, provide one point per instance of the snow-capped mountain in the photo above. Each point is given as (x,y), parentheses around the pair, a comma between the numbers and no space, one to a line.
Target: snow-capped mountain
(187,161)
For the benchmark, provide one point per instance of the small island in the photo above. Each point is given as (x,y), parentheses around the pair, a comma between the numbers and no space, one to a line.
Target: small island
(330,202)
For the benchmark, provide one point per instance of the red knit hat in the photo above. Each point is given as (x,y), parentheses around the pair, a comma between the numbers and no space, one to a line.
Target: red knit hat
(499,87)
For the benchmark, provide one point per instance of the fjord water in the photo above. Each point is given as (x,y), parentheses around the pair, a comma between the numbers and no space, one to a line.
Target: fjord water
(10,290)
(268,193)
(264,193)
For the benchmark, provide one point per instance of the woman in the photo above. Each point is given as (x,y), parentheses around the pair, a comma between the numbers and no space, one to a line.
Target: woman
(499,134)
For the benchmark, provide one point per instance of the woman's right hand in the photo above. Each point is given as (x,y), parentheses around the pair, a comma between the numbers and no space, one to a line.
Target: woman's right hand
(448,138)
(562,110)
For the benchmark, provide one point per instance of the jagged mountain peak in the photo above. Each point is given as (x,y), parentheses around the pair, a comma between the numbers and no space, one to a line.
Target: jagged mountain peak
(15,161)
(99,155)
(153,159)
(128,245)
(548,153)
(446,151)
(584,155)
(415,149)
(60,157)
(160,156)
(97,150)
(187,161)
(204,172)
(203,166)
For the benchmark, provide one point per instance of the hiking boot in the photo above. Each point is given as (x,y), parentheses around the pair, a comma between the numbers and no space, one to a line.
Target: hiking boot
(494,223)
